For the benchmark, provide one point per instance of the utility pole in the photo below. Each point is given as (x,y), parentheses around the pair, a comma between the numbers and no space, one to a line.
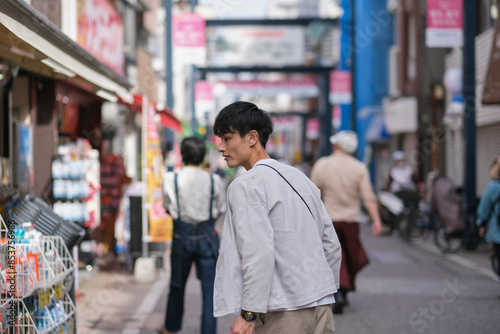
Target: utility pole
(353,65)
(469,121)
(168,52)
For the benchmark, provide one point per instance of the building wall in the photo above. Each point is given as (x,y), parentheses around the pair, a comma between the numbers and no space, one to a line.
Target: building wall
(51,9)
(147,81)
(374,36)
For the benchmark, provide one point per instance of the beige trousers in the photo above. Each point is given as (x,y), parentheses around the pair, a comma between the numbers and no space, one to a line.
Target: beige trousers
(314,320)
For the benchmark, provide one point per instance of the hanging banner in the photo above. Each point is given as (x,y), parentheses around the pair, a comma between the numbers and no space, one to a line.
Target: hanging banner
(340,87)
(188,31)
(100,32)
(444,24)
(204,102)
(160,223)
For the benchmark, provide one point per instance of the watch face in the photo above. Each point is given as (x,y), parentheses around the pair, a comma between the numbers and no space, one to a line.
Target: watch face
(249,316)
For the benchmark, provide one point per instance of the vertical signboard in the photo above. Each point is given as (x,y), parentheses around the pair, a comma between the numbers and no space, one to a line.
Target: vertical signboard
(204,101)
(100,32)
(340,87)
(444,23)
(160,223)
(188,35)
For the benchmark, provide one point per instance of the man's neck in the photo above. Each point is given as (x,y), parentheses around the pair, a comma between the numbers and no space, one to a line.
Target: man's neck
(259,155)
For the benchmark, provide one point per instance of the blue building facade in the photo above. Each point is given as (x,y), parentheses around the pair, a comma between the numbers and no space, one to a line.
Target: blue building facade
(374,36)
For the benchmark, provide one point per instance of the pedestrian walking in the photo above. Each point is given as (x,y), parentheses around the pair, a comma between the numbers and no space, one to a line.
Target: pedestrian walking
(194,198)
(488,211)
(400,176)
(280,257)
(344,181)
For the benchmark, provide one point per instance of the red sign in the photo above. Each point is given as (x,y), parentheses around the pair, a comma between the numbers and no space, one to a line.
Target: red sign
(100,32)
(340,87)
(444,23)
(444,14)
(203,91)
(188,30)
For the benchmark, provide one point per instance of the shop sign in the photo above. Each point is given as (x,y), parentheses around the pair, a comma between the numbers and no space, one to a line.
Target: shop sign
(268,46)
(444,23)
(300,88)
(100,32)
(400,115)
(188,35)
(340,87)
(160,223)
(312,129)
(203,101)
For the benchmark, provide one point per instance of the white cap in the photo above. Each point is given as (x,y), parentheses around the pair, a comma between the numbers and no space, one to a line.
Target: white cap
(398,155)
(346,140)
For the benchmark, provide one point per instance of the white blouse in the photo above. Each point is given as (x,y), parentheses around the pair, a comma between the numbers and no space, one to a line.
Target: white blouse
(194,195)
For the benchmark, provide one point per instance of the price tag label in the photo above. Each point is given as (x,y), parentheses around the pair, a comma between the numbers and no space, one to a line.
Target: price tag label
(58,291)
(44,298)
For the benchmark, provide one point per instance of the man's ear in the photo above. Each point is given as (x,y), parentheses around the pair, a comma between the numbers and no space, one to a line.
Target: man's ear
(253,137)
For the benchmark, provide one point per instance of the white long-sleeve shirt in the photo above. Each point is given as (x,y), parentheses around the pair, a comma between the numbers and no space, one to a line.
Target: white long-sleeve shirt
(194,195)
(274,255)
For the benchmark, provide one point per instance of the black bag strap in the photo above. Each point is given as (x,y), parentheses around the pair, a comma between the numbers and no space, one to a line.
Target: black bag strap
(290,186)
(177,196)
(211,195)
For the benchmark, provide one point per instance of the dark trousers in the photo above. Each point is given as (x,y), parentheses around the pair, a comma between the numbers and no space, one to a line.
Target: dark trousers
(353,254)
(496,249)
(198,244)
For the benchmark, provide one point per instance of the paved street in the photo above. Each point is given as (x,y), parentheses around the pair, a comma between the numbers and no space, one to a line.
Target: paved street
(405,289)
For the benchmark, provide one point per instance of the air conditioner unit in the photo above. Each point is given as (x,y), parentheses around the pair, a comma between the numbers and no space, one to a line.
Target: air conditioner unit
(393,75)
(393,6)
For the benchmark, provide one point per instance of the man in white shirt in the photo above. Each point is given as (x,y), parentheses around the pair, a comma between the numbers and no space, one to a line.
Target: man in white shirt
(280,257)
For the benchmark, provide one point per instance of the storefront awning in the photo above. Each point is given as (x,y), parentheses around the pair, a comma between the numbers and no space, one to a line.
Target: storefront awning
(376,131)
(31,41)
(167,118)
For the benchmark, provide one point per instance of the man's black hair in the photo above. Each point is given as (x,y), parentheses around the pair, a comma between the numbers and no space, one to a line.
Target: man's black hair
(193,151)
(243,117)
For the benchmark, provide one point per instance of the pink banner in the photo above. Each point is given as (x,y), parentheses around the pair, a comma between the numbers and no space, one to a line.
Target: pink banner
(188,30)
(445,14)
(340,87)
(203,91)
(100,32)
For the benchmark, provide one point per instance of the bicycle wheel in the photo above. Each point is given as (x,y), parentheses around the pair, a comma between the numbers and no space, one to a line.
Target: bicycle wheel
(448,243)
(411,229)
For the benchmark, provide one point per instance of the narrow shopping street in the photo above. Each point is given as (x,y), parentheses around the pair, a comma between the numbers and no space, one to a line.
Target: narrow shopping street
(405,289)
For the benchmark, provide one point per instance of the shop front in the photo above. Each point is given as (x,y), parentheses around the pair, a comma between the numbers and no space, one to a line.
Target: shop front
(52,92)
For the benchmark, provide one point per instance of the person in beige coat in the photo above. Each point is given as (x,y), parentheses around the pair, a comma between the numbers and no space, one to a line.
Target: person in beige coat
(344,181)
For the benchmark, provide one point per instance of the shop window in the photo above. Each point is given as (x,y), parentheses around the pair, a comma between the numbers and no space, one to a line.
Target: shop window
(45,101)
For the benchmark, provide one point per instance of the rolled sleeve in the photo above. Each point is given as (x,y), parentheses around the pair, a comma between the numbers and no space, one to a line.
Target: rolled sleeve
(365,187)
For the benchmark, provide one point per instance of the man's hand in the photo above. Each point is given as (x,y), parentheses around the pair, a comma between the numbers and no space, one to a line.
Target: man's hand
(377,228)
(482,231)
(241,326)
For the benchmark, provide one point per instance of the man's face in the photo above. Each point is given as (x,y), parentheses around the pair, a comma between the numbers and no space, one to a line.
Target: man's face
(235,150)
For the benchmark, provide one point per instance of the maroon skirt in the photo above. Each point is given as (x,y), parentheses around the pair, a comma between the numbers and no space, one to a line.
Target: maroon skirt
(353,254)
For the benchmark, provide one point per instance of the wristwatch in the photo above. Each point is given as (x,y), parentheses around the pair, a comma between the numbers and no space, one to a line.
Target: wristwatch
(248,316)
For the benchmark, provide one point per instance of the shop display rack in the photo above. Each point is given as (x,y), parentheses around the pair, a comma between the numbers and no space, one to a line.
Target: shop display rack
(36,278)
